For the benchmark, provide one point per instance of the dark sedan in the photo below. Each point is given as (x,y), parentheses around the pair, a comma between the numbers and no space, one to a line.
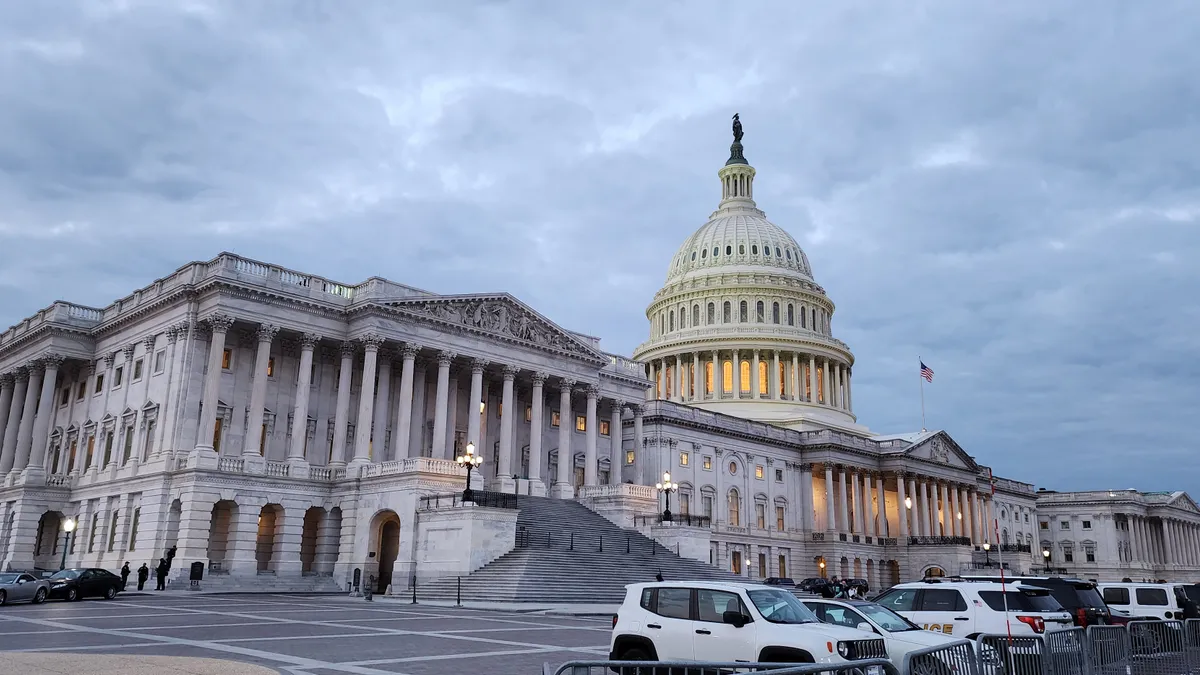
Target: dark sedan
(84,582)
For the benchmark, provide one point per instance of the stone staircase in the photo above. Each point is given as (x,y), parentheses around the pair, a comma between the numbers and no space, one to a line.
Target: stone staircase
(566,553)
(261,583)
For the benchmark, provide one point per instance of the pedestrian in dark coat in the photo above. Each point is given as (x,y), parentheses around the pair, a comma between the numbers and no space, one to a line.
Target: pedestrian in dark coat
(161,571)
(124,575)
(170,557)
(143,575)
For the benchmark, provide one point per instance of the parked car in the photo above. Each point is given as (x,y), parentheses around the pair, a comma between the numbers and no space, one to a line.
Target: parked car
(23,587)
(779,581)
(728,622)
(1078,596)
(968,608)
(814,585)
(1142,600)
(89,582)
(900,635)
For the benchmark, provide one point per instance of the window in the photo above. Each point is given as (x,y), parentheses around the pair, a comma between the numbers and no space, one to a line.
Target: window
(791,314)
(758,471)
(683,459)
(742,249)
(733,468)
(762,565)
(685,503)
(707,463)
(728,250)
(1116,596)
(604,427)
(706,503)
(674,603)
(133,528)
(743,312)
(92,532)
(1027,517)
(775,312)
(778,475)
(528,414)
(782,565)
(735,509)
(99,383)
(943,600)
(555,419)
(108,443)
(227,359)
(712,313)
(727,313)
(137,369)
(112,531)
(216,440)
(1089,553)
(149,443)
(1068,555)
(117,376)
(760,516)
(629,457)
(1087,524)
(1064,525)
(695,315)
(91,447)
(900,600)
(580,423)
(80,391)
(128,449)
(759,312)
(66,396)
(271,367)
(779,519)
(1043,525)
(160,361)
(499,410)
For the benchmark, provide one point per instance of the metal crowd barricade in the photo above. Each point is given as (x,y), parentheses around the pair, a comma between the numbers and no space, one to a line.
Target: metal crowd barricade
(1066,652)
(1000,654)
(1191,637)
(864,667)
(1109,650)
(1158,648)
(957,657)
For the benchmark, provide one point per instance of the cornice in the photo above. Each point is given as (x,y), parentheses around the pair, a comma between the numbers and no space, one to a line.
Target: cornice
(732,340)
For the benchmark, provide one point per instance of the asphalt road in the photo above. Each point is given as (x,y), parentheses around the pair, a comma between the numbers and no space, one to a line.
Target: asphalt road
(305,635)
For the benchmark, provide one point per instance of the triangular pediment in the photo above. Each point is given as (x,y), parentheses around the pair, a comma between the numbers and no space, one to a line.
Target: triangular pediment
(1182,500)
(502,316)
(939,447)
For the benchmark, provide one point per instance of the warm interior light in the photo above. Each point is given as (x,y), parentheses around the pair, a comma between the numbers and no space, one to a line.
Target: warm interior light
(69,525)
(960,515)
(821,564)
(908,502)
(482,407)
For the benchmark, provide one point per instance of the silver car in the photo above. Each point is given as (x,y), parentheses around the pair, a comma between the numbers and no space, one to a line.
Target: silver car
(21,587)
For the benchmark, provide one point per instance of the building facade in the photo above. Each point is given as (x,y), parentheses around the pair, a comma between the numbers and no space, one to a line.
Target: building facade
(268,422)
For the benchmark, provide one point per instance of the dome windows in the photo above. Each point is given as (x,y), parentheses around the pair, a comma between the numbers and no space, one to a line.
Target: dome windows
(703,254)
(754,249)
(789,254)
(791,314)
(742,249)
(728,250)
(775,312)
(758,311)
(743,311)
(716,251)
(693,256)
(727,312)
(767,251)
(776,251)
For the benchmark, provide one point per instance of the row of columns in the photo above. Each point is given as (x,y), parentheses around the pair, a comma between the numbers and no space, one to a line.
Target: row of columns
(26,406)
(791,376)
(927,508)
(1164,541)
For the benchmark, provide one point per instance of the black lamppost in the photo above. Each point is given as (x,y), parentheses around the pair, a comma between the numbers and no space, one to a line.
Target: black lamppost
(1046,559)
(470,460)
(987,554)
(667,487)
(68,527)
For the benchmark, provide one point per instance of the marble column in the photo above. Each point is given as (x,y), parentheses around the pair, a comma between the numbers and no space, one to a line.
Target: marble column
(830,512)
(843,501)
(504,471)
(252,444)
(775,390)
(590,467)
(812,379)
(755,378)
(475,408)
(615,434)
(677,380)
(806,497)
(8,454)
(737,374)
(401,440)
(562,488)
(856,523)
(914,523)
(925,510)
(638,460)
(718,386)
(537,485)
(440,402)
(383,402)
(41,425)
(297,453)
(943,511)
(849,395)
(366,402)
(7,385)
(653,377)
(881,521)
(205,455)
(902,511)
(28,413)
(341,422)
(794,380)
(697,393)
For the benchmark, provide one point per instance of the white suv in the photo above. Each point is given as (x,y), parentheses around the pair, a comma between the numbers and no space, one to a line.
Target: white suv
(970,608)
(729,622)
(899,634)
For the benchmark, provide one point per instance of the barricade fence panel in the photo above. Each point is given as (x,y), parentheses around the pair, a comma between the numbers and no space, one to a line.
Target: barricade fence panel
(864,667)
(1004,655)
(957,657)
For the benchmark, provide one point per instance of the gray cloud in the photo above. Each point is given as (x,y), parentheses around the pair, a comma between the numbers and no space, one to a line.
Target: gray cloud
(1008,191)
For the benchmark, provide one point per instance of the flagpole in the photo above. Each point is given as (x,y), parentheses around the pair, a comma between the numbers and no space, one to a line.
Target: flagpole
(921,379)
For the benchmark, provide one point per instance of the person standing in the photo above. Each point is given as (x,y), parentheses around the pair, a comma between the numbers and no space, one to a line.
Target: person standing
(161,571)
(124,575)
(143,575)
(170,557)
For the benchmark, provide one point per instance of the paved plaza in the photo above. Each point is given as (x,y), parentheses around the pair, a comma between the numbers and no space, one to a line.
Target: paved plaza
(305,635)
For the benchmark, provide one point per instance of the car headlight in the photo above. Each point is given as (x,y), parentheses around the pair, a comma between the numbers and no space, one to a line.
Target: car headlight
(843,650)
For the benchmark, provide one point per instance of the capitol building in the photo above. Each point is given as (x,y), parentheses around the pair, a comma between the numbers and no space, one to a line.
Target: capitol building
(271,423)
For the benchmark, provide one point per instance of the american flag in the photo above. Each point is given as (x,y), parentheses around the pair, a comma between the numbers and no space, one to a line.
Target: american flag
(926,372)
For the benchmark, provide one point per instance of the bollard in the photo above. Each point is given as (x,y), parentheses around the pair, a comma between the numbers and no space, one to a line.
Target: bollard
(458,594)
(414,585)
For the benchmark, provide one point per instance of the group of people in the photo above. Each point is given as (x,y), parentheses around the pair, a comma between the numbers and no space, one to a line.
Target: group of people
(143,572)
(836,588)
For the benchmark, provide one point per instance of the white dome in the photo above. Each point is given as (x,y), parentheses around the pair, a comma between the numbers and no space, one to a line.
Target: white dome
(739,235)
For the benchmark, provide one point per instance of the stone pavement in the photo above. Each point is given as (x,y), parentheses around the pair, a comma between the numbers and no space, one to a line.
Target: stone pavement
(297,635)
(33,663)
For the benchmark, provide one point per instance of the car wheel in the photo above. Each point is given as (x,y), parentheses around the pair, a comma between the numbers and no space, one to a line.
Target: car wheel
(635,654)
(72,594)
(39,597)
(3,597)
(110,592)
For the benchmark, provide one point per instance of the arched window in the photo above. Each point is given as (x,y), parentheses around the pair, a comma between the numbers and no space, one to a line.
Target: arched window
(775,312)
(708,377)
(745,376)
(791,315)
(814,319)
(703,254)
(758,311)
(671,321)
(727,313)
(662,323)
(742,310)
(668,380)
(712,313)
(735,508)
(695,315)
(754,249)
(727,377)
(741,249)
(767,251)
(729,250)
(716,251)
(803,317)
(764,380)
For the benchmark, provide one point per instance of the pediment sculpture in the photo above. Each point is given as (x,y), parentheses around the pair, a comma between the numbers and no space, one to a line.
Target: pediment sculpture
(498,316)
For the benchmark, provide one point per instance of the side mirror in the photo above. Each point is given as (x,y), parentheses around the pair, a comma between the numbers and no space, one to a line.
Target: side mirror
(734,618)
(864,626)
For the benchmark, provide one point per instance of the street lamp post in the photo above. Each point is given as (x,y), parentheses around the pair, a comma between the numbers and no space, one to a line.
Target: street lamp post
(68,527)
(470,460)
(987,553)
(1046,559)
(667,487)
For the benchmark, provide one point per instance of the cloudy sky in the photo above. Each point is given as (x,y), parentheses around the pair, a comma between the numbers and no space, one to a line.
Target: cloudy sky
(1007,189)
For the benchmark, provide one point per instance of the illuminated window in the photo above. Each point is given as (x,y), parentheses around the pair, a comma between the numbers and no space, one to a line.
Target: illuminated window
(782,377)
(708,378)
(604,427)
(683,459)
(760,516)
(745,368)
(271,367)
(735,509)
(629,457)
(226,359)
(821,384)
(118,375)
(727,377)
(707,463)
(733,468)
(580,423)
(668,378)
(758,471)
(554,418)
(499,410)
(779,526)
(764,379)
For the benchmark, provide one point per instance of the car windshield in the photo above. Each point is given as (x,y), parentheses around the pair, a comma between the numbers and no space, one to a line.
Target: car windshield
(781,607)
(8,578)
(886,618)
(66,574)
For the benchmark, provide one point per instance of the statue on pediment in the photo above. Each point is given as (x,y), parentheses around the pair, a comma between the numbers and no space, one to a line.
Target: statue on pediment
(938,451)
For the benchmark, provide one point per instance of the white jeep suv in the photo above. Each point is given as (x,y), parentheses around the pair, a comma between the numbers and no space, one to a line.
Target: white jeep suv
(730,622)
(969,608)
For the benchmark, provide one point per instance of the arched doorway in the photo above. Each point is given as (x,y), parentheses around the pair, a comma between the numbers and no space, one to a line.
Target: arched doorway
(385,544)
(933,571)
(46,545)
(310,540)
(267,544)
(224,514)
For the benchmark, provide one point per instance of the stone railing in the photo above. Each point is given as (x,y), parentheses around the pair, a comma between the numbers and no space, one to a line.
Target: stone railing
(939,541)
(629,366)
(1090,495)
(277,469)
(59,314)
(619,490)
(740,330)
(58,481)
(444,467)
(231,464)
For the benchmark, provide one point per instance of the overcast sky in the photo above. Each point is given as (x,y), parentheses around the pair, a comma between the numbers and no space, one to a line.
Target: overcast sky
(1007,189)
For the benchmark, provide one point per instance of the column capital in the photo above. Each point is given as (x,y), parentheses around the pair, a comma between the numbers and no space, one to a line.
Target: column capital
(219,322)
(539,378)
(265,333)
(371,342)
(638,409)
(806,467)
(510,373)
(618,404)
(409,350)
(591,390)
(566,384)
(479,365)
(36,368)
(52,361)
(309,341)
(445,358)
(7,379)
(128,349)
(348,349)
(173,332)
(21,374)
(149,342)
